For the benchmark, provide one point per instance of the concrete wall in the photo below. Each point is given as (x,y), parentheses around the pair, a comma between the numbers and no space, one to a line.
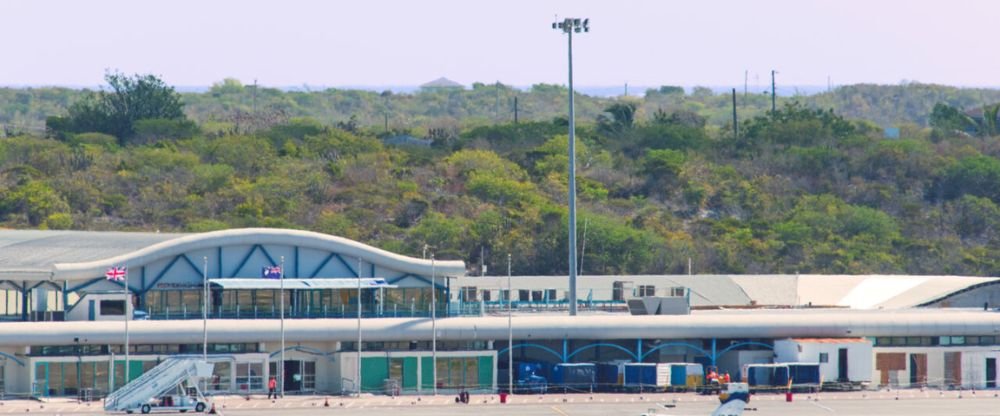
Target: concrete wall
(81,312)
(859,355)
(972,366)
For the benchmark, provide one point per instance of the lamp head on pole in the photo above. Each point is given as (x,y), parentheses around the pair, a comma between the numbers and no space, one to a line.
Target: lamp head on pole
(572,25)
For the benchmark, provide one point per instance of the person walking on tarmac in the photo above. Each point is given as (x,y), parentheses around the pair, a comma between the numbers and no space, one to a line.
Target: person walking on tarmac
(272,386)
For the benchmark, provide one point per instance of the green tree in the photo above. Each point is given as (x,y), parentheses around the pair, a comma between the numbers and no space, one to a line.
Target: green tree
(116,110)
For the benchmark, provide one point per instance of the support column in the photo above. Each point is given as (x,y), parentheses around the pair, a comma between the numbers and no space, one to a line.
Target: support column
(24,300)
(638,349)
(65,298)
(714,356)
(565,350)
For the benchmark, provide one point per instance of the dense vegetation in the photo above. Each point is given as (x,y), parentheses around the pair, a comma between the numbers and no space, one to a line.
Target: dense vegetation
(661,179)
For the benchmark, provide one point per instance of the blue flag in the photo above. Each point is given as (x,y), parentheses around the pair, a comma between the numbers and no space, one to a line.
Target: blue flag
(271,272)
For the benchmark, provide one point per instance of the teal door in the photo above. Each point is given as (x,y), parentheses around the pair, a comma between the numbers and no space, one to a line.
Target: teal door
(90,311)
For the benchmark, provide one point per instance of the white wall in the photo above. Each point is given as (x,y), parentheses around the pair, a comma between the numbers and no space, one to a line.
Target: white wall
(81,312)
(973,364)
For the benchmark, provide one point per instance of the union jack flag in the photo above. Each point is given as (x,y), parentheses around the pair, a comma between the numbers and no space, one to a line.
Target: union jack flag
(116,274)
(271,272)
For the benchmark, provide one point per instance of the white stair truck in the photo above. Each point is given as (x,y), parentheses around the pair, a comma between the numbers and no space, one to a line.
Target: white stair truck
(171,386)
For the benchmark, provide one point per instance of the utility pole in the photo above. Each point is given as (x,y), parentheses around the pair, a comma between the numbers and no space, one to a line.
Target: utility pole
(746,80)
(736,122)
(496,107)
(626,89)
(515,109)
(774,105)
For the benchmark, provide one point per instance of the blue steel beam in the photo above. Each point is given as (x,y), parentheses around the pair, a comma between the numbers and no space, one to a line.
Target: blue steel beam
(162,273)
(645,354)
(244,261)
(356,273)
(322,264)
(530,345)
(602,344)
(268,255)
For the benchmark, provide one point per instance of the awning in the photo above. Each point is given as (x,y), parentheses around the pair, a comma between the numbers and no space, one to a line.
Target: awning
(301,284)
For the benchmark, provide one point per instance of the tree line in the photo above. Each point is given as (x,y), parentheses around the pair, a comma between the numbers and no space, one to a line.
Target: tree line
(801,189)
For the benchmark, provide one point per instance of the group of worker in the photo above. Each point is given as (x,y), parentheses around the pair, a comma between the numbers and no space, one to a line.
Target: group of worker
(714,378)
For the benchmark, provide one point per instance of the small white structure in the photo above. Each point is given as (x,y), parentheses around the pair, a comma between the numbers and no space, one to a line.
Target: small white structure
(840,359)
(101,307)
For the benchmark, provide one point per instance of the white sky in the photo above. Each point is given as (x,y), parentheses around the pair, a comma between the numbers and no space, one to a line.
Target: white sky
(383,42)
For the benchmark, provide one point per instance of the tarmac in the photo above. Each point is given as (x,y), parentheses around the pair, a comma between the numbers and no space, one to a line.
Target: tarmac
(892,403)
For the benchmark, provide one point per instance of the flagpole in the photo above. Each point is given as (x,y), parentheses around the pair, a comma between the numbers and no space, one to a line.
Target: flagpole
(434,353)
(204,309)
(282,296)
(128,308)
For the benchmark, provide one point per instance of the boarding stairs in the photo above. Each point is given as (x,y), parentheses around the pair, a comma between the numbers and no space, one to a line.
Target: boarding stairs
(157,381)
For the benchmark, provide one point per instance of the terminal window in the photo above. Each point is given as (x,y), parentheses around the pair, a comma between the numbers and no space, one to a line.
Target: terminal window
(113,307)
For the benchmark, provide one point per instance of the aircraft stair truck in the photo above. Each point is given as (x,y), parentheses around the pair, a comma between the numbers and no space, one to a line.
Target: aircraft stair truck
(142,394)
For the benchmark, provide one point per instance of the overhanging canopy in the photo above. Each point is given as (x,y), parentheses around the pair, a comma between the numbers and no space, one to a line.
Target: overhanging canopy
(301,284)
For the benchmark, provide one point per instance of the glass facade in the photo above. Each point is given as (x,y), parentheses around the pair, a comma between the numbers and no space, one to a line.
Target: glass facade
(266,303)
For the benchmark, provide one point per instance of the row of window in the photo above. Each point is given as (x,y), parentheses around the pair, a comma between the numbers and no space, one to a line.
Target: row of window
(619,291)
(935,341)
(81,350)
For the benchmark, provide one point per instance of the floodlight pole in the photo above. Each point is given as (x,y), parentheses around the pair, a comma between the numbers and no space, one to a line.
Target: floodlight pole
(510,331)
(568,26)
(281,296)
(204,308)
(358,375)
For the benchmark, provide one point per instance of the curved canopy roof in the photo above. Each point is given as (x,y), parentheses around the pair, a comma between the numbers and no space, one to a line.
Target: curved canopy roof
(703,324)
(76,255)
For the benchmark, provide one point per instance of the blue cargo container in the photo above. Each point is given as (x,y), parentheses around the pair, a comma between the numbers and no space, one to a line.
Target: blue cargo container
(573,376)
(767,376)
(610,376)
(639,376)
(804,376)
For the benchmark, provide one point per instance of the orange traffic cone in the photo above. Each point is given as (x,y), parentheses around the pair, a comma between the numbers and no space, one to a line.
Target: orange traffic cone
(212,410)
(326,403)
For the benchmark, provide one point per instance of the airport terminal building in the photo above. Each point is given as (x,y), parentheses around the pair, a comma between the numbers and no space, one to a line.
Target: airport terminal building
(65,329)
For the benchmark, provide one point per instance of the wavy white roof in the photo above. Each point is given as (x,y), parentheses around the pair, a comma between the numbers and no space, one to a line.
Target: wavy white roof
(74,255)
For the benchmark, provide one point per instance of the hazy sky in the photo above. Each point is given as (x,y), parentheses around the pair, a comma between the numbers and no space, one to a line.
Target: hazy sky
(381,42)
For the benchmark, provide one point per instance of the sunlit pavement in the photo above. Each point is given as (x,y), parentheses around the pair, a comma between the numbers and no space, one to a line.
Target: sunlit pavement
(897,402)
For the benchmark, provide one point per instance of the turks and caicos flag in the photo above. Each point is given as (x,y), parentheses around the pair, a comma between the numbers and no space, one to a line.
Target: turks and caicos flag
(271,272)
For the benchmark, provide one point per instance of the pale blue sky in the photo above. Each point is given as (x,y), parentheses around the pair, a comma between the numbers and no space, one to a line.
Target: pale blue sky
(382,42)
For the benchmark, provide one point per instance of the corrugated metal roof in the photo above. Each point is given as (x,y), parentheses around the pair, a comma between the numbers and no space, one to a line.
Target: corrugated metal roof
(40,250)
(829,340)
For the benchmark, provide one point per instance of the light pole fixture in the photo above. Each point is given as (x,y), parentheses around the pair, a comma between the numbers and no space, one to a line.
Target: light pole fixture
(570,26)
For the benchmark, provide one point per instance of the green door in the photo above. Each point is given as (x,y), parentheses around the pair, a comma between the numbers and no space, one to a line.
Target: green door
(374,371)
(486,373)
(427,373)
(409,374)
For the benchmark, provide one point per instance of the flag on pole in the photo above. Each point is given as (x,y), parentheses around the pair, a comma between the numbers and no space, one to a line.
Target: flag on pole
(271,272)
(116,274)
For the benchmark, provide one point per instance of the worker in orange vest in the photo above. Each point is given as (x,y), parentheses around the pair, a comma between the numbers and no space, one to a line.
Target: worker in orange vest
(272,387)
(713,377)
(725,378)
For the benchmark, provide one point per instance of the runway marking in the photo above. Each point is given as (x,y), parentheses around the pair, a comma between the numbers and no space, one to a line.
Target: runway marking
(556,409)
(822,407)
